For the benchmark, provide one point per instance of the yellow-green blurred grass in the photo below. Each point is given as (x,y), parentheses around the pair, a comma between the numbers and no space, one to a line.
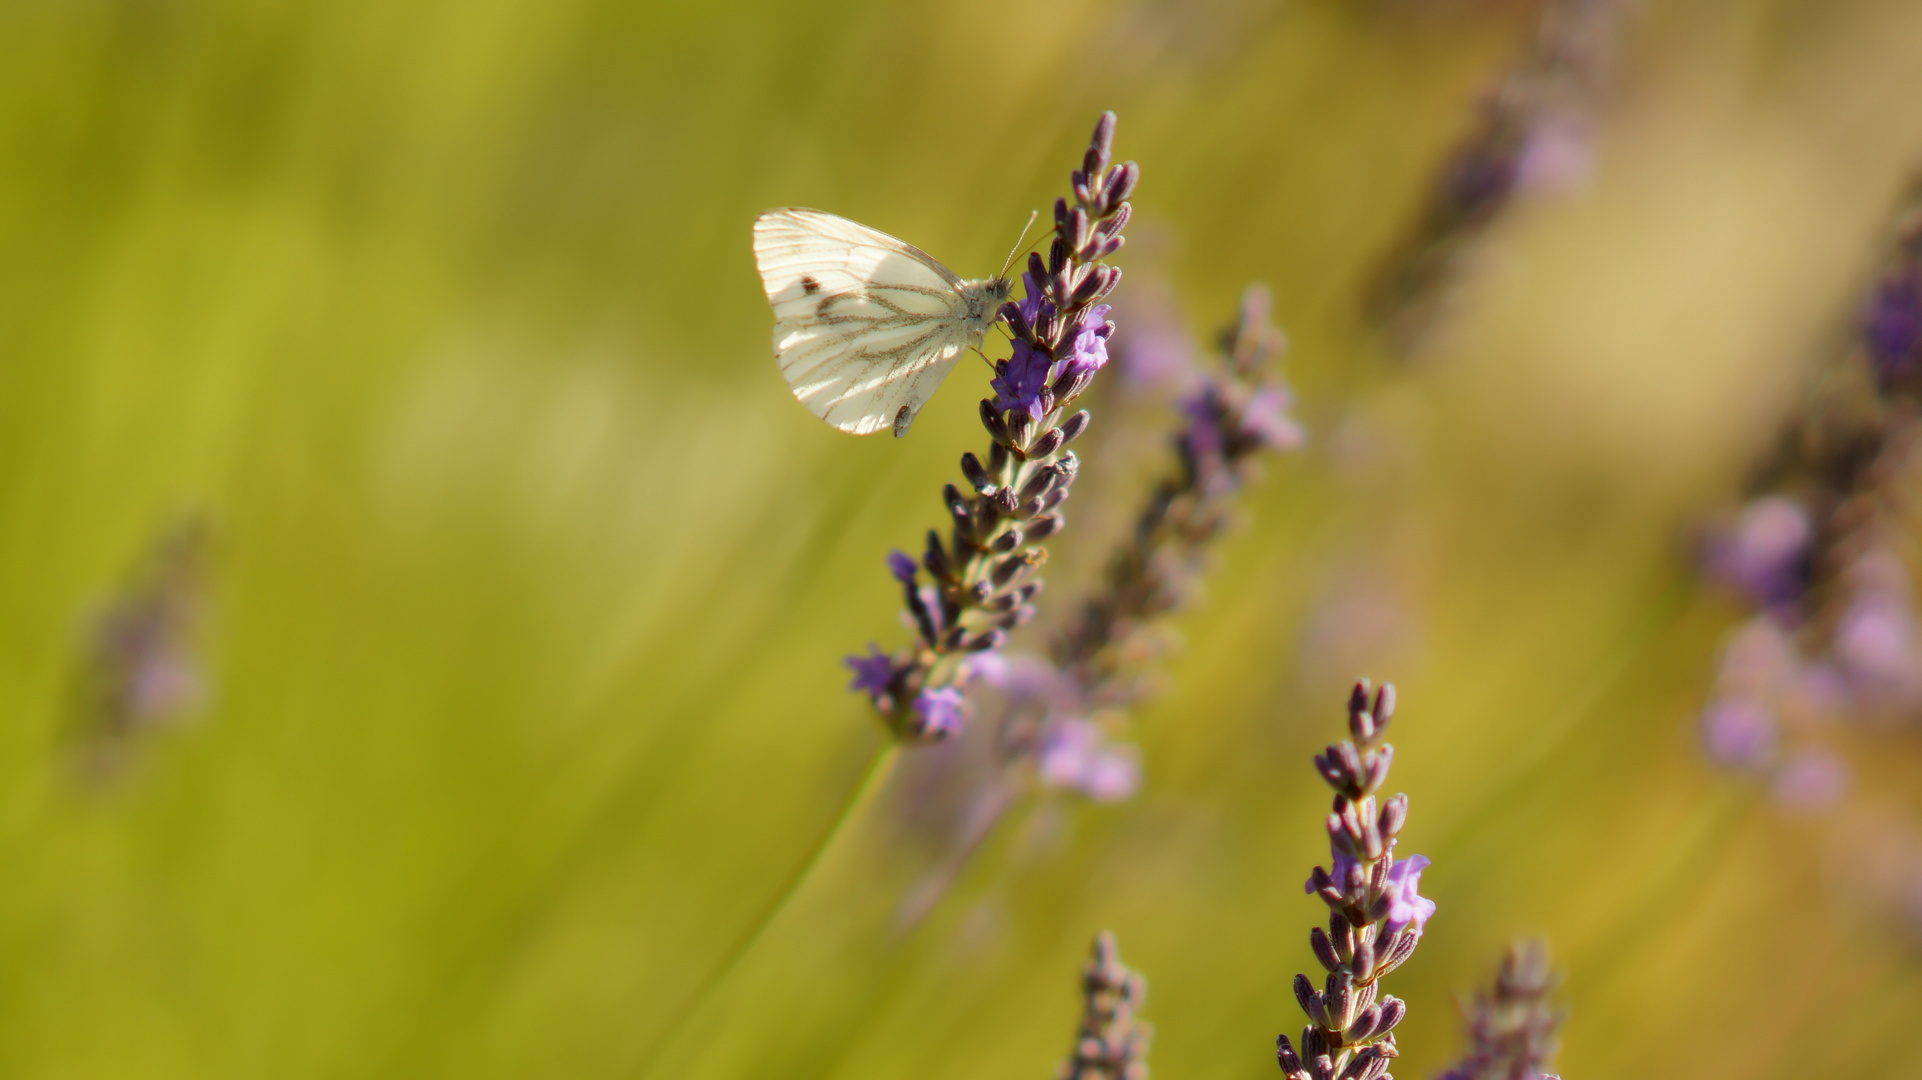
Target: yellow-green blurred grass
(530,581)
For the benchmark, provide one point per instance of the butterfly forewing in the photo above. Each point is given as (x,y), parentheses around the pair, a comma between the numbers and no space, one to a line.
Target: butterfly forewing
(864,324)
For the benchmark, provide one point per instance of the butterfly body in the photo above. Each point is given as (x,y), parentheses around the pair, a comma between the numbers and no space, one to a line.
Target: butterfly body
(865,326)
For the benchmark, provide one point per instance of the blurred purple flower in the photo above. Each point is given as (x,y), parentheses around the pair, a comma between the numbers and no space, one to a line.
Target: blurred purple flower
(1406,906)
(1156,353)
(1811,781)
(1267,421)
(1738,734)
(1874,637)
(939,713)
(1558,156)
(1764,555)
(1892,325)
(1759,661)
(1078,755)
(872,673)
(988,668)
(902,566)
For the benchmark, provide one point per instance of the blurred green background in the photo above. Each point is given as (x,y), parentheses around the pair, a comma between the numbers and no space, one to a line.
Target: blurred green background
(529,582)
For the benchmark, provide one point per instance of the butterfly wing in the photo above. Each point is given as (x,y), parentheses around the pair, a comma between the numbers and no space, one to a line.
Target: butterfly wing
(865,326)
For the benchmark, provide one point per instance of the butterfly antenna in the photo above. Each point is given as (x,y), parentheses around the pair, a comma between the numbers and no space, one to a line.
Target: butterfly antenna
(1018,248)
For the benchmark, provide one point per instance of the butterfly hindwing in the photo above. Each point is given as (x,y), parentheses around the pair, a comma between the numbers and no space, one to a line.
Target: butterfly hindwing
(864,324)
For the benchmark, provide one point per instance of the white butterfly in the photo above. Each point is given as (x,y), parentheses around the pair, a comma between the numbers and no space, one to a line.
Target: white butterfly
(865,326)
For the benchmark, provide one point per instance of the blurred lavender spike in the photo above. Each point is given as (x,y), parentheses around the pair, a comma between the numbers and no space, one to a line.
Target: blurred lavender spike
(1513,1027)
(140,672)
(1376,912)
(1061,719)
(1109,1044)
(981,571)
(1533,135)
(1238,410)
(1818,553)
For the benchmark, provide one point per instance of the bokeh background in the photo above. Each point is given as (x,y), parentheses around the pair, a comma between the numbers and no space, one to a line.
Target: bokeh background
(526,582)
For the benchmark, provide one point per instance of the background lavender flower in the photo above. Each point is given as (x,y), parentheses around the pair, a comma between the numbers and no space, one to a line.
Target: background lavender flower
(1376,915)
(140,670)
(981,575)
(1110,1043)
(1810,781)
(1062,721)
(1513,1026)
(1236,411)
(1533,133)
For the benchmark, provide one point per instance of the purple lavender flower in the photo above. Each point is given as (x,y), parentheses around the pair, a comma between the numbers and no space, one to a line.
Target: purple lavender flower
(938,713)
(1020,379)
(1557,156)
(980,568)
(1892,326)
(1375,916)
(1109,1044)
(1406,905)
(1875,639)
(1512,1030)
(1090,352)
(872,673)
(903,567)
(141,671)
(1077,755)
(1738,734)
(1760,662)
(1267,420)
(1530,134)
(1156,354)
(1765,554)
(1810,781)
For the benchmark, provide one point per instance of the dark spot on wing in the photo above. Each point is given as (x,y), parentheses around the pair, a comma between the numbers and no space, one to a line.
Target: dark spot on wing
(809,285)
(902,419)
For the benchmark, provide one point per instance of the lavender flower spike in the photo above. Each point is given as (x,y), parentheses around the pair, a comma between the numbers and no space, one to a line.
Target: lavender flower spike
(1375,914)
(981,571)
(1512,1028)
(1110,1044)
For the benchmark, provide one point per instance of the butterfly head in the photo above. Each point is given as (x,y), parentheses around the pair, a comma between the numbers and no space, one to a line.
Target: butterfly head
(984,300)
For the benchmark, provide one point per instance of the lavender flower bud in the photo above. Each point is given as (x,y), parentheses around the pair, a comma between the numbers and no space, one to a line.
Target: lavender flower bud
(976,475)
(1394,814)
(1290,1063)
(1073,426)
(1305,993)
(1324,949)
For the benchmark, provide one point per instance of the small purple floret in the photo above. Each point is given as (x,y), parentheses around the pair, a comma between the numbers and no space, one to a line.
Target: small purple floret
(1765,554)
(1023,375)
(1406,906)
(902,566)
(1078,755)
(1810,782)
(872,673)
(1738,734)
(1089,352)
(1267,421)
(939,712)
(1892,326)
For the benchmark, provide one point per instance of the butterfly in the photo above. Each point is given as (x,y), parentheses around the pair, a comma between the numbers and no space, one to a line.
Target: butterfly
(865,326)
